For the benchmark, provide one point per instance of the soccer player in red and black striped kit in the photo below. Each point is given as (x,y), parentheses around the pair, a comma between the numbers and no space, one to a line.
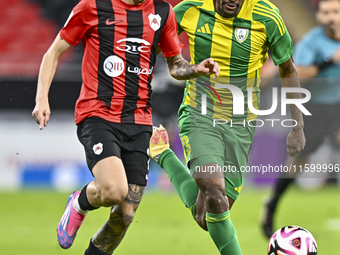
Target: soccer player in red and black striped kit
(113,112)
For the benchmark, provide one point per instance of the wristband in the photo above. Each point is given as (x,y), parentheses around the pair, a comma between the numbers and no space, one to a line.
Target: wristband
(324,64)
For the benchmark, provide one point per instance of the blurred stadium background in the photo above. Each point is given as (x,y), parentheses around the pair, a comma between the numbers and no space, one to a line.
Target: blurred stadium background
(39,168)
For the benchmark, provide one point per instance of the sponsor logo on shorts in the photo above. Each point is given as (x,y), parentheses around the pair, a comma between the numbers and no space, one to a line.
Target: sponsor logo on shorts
(98,148)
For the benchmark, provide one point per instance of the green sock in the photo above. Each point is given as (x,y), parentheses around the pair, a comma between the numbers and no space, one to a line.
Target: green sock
(223,233)
(180,177)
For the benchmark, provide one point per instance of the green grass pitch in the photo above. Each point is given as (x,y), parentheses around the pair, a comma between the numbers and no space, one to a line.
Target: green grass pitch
(28,222)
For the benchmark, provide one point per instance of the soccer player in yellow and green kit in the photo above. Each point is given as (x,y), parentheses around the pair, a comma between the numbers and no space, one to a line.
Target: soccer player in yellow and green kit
(237,34)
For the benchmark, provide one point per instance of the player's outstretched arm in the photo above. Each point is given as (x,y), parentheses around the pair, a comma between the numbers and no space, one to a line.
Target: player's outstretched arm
(41,112)
(296,139)
(181,69)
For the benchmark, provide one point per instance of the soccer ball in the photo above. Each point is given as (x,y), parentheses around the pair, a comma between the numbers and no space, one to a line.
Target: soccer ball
(292,240)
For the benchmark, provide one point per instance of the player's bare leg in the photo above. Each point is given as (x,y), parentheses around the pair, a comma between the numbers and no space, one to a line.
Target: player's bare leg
(108,189)
(107,239)
(211,196)
(217,214)
(110,186)
(280,187)
(201,210)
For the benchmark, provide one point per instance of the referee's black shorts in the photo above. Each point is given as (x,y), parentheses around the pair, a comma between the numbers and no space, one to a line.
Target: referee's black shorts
(129,142)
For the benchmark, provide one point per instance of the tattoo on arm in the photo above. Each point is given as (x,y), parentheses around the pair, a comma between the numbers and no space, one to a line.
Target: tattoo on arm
(179,68)
(112,232)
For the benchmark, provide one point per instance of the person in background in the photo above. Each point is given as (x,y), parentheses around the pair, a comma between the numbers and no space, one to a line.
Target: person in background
(317,56)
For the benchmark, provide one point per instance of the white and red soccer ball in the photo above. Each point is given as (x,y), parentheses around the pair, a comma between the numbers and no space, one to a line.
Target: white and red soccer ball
(292,240)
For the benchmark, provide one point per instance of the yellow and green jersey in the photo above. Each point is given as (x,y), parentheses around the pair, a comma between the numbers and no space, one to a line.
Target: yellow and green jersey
(239,45)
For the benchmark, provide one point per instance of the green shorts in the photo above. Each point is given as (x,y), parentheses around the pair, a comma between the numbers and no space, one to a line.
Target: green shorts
(226,145)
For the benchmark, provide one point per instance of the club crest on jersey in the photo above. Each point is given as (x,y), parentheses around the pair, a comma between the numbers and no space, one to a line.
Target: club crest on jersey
(154,21)
(241,34)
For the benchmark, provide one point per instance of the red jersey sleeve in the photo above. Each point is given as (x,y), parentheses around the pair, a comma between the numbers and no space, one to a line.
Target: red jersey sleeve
(169,41)
(81,19)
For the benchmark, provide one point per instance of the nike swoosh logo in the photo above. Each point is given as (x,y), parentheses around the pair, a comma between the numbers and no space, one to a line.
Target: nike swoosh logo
(108,22)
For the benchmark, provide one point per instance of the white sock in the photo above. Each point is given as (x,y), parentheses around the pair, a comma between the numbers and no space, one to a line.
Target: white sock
(76,206)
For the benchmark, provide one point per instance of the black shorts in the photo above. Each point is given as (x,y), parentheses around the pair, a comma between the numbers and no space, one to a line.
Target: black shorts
(129,142)
(323,123)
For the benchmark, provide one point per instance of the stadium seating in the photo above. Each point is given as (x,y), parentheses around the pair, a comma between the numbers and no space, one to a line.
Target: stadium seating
(25,36)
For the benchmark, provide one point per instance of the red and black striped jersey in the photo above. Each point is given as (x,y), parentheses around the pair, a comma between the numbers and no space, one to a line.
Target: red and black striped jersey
(120,42)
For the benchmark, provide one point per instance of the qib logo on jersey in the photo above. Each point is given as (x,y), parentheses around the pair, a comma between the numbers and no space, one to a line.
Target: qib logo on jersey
(241,34)
(113,66)
(154,21)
